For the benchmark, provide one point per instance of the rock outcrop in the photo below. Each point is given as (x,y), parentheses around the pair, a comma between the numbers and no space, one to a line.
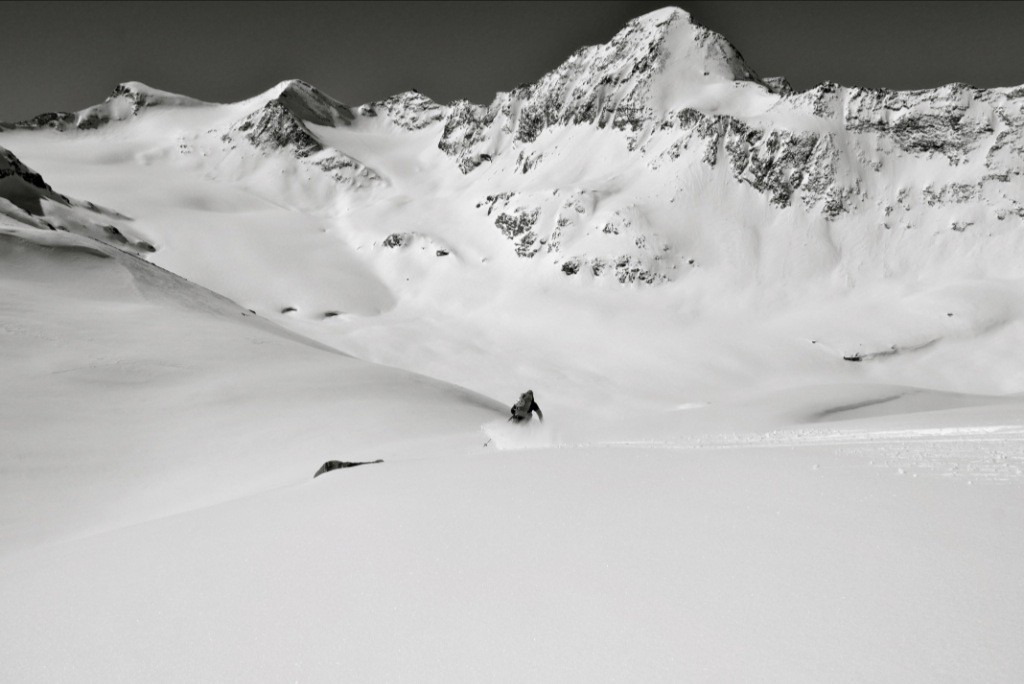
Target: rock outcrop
(28,199)
(335,465)
(282,124)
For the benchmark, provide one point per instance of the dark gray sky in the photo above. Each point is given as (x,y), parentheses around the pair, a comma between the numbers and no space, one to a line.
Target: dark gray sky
(69,55)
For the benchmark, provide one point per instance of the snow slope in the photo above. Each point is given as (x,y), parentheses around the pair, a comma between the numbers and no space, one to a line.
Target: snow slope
(774,336)
(140,395)
(606,564)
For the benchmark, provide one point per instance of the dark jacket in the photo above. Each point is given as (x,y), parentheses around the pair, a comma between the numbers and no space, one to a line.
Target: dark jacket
(522,409)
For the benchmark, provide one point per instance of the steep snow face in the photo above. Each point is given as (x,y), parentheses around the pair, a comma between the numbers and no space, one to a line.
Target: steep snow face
(306,103)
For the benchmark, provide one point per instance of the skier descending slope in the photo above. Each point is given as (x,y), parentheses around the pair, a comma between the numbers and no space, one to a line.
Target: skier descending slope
(522,410)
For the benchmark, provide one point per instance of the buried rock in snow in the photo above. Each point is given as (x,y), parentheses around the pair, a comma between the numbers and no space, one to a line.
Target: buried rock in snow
(334,465)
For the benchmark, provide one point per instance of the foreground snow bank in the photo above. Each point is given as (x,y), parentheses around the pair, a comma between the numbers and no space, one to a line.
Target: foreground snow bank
(585,564)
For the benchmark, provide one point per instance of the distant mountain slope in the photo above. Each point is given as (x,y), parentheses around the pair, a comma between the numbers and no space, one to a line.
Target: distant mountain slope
(656,162)
(126,101)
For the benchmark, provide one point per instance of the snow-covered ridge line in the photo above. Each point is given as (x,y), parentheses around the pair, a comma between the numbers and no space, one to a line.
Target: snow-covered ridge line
(28,199)
(601,167)
(127,100)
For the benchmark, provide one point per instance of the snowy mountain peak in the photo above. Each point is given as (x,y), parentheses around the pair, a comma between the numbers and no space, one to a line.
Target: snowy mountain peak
(659,63)
(670,40)
(308,104)
(654,62)
(127,100)
(141,95)
(280,120)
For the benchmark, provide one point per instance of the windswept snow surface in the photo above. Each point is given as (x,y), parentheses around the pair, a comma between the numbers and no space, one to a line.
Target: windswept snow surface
(784,434)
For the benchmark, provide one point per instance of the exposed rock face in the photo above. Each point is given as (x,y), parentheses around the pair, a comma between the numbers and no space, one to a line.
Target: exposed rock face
(306,103)
(411,110)
(578,238)
(612,85)
(282,124)
(396,240)
(775,162)
(275,126)
(25,188)
(829,151)
(469,134)
(778,84)
(137,95)
(11,167)
(416,243)
(30,200)
(60,121)
(623,84)
(950,121)
(335,465)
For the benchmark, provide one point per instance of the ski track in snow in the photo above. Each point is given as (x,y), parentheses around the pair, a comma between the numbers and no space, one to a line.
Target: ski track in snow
(972,453)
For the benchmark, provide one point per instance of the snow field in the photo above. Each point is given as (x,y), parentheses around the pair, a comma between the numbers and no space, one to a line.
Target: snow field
(600,563)
(799,458)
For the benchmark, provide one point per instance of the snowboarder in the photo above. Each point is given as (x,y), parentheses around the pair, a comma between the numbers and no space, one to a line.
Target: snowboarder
(522,410)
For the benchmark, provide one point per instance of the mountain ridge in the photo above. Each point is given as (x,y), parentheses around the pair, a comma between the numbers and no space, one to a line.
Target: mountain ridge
(662,100)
